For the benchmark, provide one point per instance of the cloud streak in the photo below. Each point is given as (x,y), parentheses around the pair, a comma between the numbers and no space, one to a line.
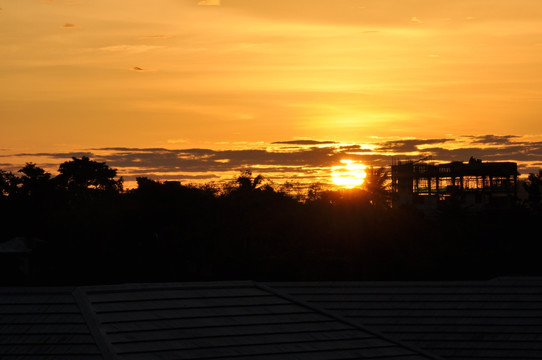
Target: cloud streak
(129,49)
(493,139)
(140,69)
(209,3)
(305,142)
(302,160)
(408,145)
(152,37)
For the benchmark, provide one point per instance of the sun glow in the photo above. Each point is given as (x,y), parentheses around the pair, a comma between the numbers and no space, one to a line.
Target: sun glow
(349,175)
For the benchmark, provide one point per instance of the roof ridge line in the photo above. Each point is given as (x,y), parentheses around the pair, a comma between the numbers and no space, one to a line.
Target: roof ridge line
(93,324)
(344,320)
(166,285)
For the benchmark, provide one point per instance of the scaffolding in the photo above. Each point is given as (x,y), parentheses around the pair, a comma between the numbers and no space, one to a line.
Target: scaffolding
(474,183)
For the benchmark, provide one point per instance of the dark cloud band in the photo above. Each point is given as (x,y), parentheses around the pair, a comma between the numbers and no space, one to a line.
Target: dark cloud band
(304,159)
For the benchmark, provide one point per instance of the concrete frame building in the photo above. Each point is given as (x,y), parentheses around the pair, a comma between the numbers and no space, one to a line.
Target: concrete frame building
(474,184)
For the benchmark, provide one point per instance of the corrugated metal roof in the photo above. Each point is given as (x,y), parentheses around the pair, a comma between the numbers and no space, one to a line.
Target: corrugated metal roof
(224,320)
(479,320)
(43,323)
(455,320)
(227,320)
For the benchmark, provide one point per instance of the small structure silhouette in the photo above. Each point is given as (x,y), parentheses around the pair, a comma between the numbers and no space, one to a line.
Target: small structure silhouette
(15,259)
(475,184)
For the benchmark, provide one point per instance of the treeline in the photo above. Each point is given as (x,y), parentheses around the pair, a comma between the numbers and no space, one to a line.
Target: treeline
(84,228)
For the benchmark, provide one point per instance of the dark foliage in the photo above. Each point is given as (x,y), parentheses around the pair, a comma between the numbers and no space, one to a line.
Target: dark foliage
(533,186)
(84,229)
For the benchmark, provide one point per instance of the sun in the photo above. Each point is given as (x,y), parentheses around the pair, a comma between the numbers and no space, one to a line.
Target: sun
(349,175)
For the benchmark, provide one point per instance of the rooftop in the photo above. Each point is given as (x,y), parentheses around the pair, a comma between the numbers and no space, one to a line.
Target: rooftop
(501,318)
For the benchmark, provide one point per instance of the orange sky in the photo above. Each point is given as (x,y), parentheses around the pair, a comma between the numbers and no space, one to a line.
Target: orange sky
(238,74)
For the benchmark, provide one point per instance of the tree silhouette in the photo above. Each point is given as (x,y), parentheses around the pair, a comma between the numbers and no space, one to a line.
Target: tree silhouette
(35,180)
(32,172)
(533,186)
(144,183)
(246,183)
(166,231)
(9,183)
(314,191)
(80,175)
(376,185)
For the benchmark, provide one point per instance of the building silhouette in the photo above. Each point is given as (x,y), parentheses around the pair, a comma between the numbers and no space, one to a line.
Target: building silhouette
(474,185)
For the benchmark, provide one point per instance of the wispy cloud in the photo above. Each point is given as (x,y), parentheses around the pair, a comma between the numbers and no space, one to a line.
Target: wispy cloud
(209,3)
(55,155)
(305,142)
(177,141)
(152,37)
(493,139)
(408,145)
(140,69)
(131,49)
(69,26)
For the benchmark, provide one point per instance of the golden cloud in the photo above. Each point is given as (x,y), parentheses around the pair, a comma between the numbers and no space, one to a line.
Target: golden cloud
(152,37)
(131,49)
(209,3)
